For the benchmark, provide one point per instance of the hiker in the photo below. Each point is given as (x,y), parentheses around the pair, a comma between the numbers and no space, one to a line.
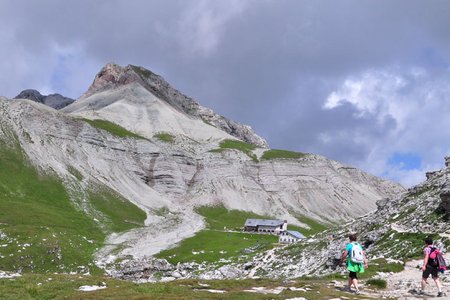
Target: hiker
(430,267)
(440,245)
(356,262)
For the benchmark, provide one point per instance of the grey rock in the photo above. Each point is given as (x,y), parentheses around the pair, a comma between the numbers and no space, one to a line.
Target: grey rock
(55,101)
(32,95)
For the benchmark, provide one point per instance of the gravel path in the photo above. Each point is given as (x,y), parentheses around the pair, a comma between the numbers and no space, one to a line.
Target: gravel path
(404,285)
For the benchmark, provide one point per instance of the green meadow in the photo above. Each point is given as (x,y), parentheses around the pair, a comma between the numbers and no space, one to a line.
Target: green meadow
(223,239)
(41,230)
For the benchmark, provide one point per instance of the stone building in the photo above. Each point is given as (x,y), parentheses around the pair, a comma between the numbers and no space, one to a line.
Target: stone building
(290,236)
(265,226)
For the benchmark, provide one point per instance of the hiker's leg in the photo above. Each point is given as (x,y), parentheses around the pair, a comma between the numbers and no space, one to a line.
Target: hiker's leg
(438,283)
(355,283)
(425,275)
(351,275)
(353,279)
(424,283)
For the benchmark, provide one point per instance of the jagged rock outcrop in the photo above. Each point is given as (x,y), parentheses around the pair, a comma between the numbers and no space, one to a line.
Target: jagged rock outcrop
(55,101)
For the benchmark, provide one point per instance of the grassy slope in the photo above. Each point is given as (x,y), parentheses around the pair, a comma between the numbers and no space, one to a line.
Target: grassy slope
(214,243)
(40,229)
(314,226)
(112,128)
(121,214)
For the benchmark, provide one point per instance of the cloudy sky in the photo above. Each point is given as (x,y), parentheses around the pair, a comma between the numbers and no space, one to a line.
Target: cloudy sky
(362,82)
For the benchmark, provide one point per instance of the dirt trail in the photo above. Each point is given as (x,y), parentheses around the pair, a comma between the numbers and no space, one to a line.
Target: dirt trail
(403,285)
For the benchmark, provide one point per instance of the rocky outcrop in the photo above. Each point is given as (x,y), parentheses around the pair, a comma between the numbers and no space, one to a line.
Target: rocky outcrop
(32,95)
(55,101)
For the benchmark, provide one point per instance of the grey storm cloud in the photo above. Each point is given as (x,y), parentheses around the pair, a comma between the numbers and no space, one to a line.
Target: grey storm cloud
(270,64)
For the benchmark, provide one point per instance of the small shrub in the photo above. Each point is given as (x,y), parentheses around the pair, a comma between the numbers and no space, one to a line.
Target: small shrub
(72,170)
(280,154)
(247,148)
(239,145)
(165,137)
(377,283)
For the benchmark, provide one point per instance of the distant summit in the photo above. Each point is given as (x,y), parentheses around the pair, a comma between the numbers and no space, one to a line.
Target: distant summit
(55,101)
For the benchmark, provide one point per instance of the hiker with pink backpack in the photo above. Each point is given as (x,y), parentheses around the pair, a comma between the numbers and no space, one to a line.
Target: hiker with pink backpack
(433,262)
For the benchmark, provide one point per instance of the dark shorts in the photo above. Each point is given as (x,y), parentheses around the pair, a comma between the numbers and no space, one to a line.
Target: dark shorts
(430,270)
(353,275)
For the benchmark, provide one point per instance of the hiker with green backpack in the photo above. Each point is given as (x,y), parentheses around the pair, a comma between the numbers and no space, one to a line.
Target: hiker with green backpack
(356,262)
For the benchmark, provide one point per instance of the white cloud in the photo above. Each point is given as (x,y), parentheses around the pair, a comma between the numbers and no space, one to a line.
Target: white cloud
(416,100)
(203,23)
(373,92)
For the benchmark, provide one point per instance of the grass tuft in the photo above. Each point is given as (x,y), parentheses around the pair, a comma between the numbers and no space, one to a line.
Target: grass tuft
(165,137)
(113,128)
(244,147)
(377,283)
(72,170)
(281,154)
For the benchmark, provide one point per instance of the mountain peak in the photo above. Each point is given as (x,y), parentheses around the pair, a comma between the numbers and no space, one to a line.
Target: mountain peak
(112,76)
(31,94)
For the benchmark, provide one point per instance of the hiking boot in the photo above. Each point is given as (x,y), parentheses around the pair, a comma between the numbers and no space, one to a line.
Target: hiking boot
(440,294)
(357,292)
(421,292)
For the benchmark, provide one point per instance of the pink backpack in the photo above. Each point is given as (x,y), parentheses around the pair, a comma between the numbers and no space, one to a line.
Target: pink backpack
(437,260)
